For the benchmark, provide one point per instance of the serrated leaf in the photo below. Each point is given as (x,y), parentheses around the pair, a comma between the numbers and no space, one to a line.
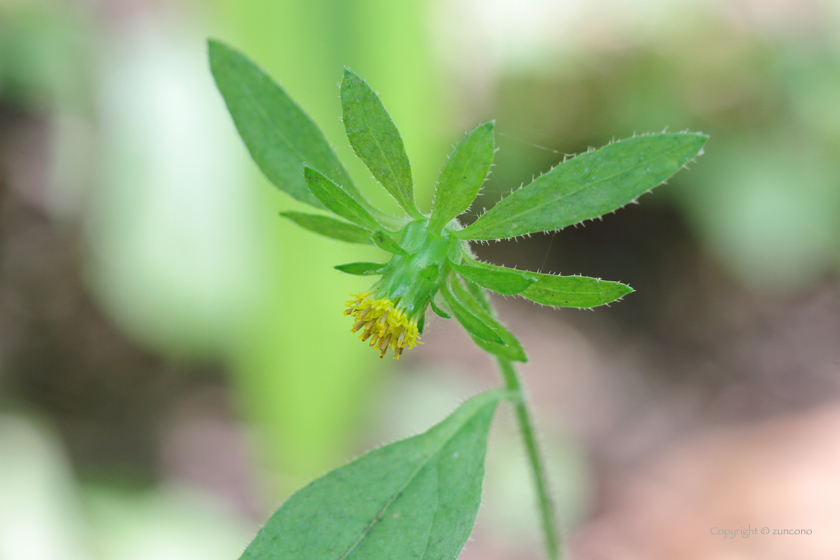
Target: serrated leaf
(555,290)
(462,176)
(416,498)
(383,241)
(469,320)
(474,299)
(330,227)
(361,268)
(499,279)
(587,186)
(376,140)
(337,200)
(278,134)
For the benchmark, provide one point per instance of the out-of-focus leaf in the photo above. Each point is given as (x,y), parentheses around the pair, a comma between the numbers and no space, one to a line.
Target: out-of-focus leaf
(384,242)
(499,279)
(588,186)
(469,320)
(376,140)
(278,134)
(361,268)
(416,498)
(430,273)
(337,200)
(473,298)
(438,311)
(330,227)
(462,176)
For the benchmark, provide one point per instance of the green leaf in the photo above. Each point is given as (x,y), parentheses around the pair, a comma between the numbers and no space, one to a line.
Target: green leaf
(430,272)
(438,311)
(361,268)
(474,299)
(479,296)
(551,289)
(330,227)
(383,241)
(462,176)
(278,134)
(574,291)
(416,498)
(499,279)
(587,186)
(376,140)
(337,200)
(469,320)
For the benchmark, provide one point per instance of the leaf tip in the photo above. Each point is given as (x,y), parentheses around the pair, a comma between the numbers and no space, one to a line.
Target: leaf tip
(351,76)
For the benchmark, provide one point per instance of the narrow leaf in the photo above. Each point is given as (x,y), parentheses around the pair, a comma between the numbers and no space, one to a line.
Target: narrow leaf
(552,289)
(462,176)
(416,498)
(330,227)
(337,200)
(479,295)
(376,140)
(361,268)
(473,298)
(278,134)
(588,186)
(499,279)
(574,291)
(438,311)
(472,323)
(383,241)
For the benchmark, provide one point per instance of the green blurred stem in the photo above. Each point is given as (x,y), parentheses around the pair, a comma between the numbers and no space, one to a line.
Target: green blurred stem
(553,545)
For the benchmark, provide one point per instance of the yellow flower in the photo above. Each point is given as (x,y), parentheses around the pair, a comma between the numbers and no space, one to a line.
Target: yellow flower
(384,323)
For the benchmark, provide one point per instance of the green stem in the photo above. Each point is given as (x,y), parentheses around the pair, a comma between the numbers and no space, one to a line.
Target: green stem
(549,525)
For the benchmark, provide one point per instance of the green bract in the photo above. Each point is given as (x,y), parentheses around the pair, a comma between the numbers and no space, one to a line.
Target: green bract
(431,252)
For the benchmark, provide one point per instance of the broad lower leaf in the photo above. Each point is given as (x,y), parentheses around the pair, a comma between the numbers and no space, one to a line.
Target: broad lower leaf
(473,298)
(587,186)
(361,268)
(383,241)
(499,279)
(551,289)
(278,134)
(330,227)
(469,320)
(376,140)
(462,176)
(414,499)
(337,200)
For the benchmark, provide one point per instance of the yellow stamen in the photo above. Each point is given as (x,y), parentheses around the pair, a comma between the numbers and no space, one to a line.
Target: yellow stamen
(381,319)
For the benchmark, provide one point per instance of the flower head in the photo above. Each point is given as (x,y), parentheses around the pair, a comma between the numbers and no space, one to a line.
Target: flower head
(384,322)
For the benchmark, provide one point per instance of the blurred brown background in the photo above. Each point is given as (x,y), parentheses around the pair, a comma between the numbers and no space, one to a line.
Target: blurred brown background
(173,358)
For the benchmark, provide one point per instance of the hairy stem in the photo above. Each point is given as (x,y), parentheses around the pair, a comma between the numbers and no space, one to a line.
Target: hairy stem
(553,545)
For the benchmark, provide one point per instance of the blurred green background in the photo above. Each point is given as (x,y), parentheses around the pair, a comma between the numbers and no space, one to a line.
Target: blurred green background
(174,361)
